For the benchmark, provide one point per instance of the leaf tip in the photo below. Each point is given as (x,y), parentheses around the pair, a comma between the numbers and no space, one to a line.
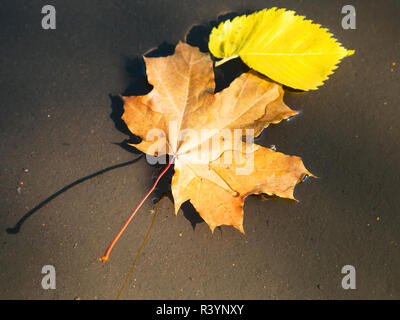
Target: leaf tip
(312,175)
(177,210)
(350,53)
(240,228)
(212,227)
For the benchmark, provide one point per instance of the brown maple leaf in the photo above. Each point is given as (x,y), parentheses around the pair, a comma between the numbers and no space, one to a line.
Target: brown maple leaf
(182,115)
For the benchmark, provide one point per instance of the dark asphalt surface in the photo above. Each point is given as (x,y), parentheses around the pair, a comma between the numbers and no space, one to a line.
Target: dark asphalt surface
(58,120)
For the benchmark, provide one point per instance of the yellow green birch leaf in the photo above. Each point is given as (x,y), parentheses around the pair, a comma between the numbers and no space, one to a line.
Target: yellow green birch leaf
(281,45)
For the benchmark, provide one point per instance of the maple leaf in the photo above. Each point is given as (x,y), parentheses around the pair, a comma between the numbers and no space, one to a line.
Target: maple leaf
(183,100)
(280,45)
